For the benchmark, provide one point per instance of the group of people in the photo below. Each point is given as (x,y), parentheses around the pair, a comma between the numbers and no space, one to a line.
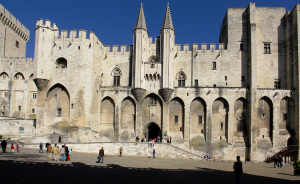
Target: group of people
(12,147)
(278,162)
(64,151)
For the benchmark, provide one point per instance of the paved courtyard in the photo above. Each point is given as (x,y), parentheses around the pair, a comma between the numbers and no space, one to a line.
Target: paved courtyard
(29,166)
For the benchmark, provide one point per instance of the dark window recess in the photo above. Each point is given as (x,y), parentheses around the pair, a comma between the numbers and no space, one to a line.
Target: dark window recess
(214,65)
(196,82)
(59,48)
(243,78)
(58,112)
(267,48)
(34,95)
(78,47)
(152,65)
(117,80)
(181,83)
(153,101)
(5,94)
(71,106)
(241,126)
(276,84)
(284,117)
(17,44)
(221,126)
(176,119)
(241,46)
(214,85)
(201,131)
(20,108)
(32,110)
(200,119)
(226,78)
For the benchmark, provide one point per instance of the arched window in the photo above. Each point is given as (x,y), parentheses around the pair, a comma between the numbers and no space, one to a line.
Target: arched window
(19,76)
(61,63)
(181,77)
(3,76)
(33,110)
(116,73)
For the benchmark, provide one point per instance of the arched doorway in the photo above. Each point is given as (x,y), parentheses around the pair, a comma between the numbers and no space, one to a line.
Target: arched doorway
(153,131)
(290,142)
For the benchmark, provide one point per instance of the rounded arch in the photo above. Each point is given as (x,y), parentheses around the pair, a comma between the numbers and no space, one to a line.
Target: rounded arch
(224,101)
(268,99)
(152,59)
(287,115)
(198,117)
(19,76)
(128,113)
(58,85)
(116,72)
(176,118)
(4,76)
(220,108)
(179,100)
(61,62)
(181,76)
(152,130)
(154,95)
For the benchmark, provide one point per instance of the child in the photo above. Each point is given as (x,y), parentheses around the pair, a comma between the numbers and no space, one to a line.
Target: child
(18,146)
(12,148)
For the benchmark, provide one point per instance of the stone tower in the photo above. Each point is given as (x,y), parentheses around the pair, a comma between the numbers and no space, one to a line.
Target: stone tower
(167,40)
(140,46)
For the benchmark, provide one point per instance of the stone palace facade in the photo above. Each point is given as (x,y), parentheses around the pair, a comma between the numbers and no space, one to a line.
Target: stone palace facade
(238,97)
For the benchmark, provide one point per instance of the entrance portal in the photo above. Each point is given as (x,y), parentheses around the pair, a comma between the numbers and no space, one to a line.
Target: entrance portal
(153,131)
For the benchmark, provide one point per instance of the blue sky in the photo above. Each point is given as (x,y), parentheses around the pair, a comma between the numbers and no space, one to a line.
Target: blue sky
(113,21)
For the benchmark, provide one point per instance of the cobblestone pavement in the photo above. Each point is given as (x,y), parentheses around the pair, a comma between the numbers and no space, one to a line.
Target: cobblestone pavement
(29,166)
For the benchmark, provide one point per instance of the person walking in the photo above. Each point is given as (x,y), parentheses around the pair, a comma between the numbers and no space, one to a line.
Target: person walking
(275,162)
(70,151)
(18,147)
(3,145)
(101,154)
(170,139)
(41,148)
(49,151)
(238,170)
(12,148)
(280,161)
(55,152)
(153,153)
(121,150)
(62,152)
(207,155)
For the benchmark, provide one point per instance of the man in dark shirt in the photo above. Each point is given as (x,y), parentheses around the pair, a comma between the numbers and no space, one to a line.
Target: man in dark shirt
(280,161)
(101,154)
(238,170)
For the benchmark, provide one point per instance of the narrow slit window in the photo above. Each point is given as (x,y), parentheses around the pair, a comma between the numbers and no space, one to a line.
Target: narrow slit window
(241,46)
(267,48)
(214,65)
(17,44)
(196,82)
(176,119)
(200,119)
(58,112)
(284,117)
(221,126)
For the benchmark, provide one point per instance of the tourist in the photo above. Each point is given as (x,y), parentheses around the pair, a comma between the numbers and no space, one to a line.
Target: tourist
(55,152)
(238,170)
(59,139)
(66,152)
(18,147)
(49,151)
(167,139)
(62,152)
(101,154)
(70,151)
(158,139)
(207,155)
(121,150)
(3,145)
(41,148)
(12,148)
(142,140)
(170,139)
(153,153)
(275,162)
(280,161)
(137,138)
(22,142)
(150,143)
(47,144)
(153,140)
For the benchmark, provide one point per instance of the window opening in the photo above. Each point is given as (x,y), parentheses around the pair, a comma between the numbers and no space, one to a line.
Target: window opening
(214,85)
(71,106)
(196,82)
(243,78)
(200,119)
(153,101)
(152,65)
(20,108)
(202,131)
(17,44)
(176,119)
(214,65)
(267,48)
(5,94)
(34,95)
(221,126)
(78,47)
(58,112)
(181,80)
(32,110)
(241,46)
(226,78)
(116,73)
(276,84)
(284,117)
(4,107)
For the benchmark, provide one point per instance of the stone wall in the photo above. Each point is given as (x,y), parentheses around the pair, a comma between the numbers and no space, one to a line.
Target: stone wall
(16,128)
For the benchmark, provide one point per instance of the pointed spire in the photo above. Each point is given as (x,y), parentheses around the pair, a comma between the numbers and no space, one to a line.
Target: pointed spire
(167,23)
(141,21)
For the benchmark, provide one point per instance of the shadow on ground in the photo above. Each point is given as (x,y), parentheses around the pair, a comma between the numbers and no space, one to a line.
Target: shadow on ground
(76,172)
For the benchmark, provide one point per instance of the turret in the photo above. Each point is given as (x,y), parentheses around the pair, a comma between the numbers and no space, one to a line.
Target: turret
(44,41)
(167,42)
(140,46)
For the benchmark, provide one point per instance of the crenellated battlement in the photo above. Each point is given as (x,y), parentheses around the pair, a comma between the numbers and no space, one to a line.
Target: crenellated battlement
(47,24)
(10,20)
(203,47)
(116,49)
(17,60)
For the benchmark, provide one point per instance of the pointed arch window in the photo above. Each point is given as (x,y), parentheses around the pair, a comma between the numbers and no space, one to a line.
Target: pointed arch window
(116,73)
(181,77)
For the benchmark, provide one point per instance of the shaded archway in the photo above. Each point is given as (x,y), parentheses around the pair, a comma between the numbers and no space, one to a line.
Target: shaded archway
(241,117)
(61,63)
(128,125)
(176,119)
(220,109)
(19,76)
(198,117)
(57,105)
(265,119)
(153,131)
(107,114)
(287,115)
